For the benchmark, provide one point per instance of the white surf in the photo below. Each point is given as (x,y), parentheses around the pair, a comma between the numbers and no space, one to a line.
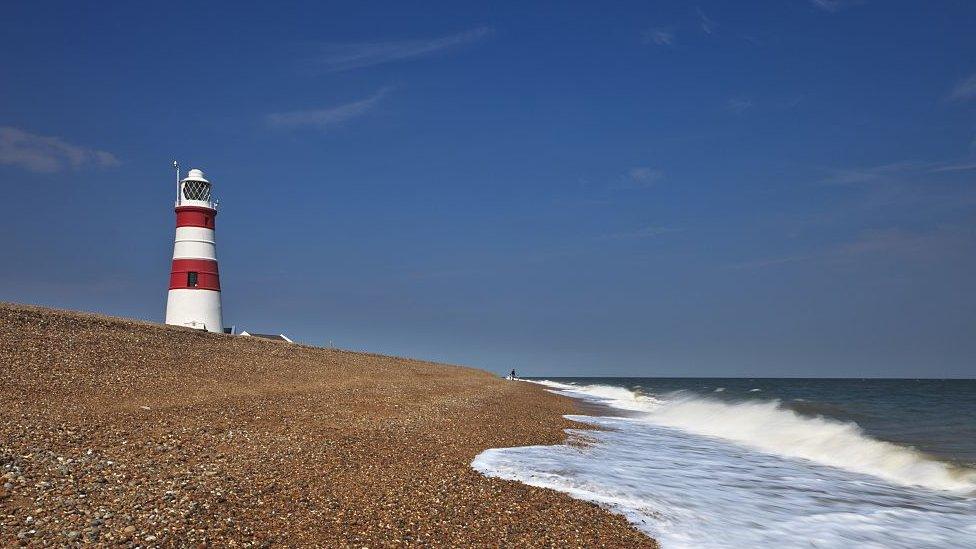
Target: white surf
(699,472)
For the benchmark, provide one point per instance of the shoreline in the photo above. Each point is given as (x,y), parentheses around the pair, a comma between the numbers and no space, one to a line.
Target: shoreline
(586,407)
(119,431)
(695,470)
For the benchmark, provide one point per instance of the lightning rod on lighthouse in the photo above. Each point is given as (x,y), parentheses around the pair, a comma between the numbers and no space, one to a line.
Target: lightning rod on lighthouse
(194,282)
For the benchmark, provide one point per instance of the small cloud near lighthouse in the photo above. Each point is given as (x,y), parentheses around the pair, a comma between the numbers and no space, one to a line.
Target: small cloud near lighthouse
(44,154)
(344,57)
(327,118)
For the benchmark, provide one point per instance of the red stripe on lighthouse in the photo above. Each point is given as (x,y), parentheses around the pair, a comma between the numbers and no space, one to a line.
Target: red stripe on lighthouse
(206,277)
(195,216)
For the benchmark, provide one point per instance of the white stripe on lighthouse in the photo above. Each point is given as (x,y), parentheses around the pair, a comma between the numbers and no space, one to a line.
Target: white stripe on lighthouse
(194,243)
(194,308)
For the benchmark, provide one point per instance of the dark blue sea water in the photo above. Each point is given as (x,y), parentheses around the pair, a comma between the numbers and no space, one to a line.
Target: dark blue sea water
(713,462)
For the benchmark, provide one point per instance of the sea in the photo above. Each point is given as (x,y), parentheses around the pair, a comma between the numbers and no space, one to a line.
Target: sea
(708,462)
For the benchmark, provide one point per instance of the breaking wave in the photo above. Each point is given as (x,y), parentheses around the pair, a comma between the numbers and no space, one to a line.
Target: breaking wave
(769,427)
(696,471)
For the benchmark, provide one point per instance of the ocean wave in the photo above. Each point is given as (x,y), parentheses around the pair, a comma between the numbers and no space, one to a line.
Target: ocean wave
(825,409)
(608,395)
(691,491)
(769,427)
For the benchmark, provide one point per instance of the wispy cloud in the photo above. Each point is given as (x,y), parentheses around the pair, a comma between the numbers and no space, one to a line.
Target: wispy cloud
(659,36)
(883,240)
(894,171)
(964,90)
(707,25)
(889,242)
(955,167)
(793,103)
(872,173)
(38,153)
(327,118)
(643,232)
(640,177)
(906,188)
(770,262)
(739,105)
(834,5)
(344,57)
(901,195)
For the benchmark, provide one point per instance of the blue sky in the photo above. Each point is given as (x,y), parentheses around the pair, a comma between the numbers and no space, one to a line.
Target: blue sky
(770,188)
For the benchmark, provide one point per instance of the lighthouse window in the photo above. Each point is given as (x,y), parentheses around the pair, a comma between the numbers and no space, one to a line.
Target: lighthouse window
(196,190)
(191,279)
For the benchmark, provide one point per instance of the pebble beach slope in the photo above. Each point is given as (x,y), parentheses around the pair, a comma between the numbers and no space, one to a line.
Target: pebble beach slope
(122,433)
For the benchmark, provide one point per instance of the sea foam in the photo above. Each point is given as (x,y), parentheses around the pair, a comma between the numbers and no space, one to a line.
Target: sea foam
(693,471)
(767,426)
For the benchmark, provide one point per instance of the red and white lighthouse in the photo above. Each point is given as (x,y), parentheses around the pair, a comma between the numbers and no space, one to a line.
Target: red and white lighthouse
(194,283)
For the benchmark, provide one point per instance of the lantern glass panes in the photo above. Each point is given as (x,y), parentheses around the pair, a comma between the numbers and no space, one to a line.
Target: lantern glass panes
(196,190)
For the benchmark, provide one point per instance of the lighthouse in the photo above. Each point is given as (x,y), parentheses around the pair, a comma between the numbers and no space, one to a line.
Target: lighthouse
(194,283)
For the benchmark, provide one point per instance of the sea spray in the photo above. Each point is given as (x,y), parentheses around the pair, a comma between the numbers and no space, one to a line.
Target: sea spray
(695,471)
(767,426)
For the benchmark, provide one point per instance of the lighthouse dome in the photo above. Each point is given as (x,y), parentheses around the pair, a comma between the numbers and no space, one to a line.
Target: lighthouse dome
(196,175)
(195,190)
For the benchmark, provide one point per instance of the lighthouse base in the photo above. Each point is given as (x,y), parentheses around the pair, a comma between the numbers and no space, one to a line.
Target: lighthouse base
(194,309)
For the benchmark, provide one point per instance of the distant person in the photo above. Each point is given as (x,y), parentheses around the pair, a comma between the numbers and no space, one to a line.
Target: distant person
(512,375)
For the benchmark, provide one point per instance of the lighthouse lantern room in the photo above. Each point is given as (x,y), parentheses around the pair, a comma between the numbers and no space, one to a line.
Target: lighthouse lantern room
(194,282)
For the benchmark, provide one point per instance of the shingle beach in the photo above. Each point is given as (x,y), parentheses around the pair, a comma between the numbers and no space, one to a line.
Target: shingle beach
(123,433)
